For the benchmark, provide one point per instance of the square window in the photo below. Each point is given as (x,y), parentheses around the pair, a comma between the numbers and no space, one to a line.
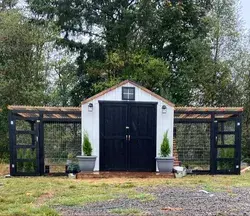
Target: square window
(128,93)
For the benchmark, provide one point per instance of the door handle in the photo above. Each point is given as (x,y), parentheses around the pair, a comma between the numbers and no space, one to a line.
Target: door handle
(128,137)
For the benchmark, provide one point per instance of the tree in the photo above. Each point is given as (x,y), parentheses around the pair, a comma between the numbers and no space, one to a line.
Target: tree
(162,28)
(149,71)
(7,4)
(226,46)
(21,61)
(22,74)
(64,80)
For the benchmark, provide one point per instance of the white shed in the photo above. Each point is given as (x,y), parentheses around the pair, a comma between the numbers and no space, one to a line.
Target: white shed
(125,125)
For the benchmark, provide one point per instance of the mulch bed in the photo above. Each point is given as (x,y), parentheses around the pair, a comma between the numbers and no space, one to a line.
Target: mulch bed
(172,201)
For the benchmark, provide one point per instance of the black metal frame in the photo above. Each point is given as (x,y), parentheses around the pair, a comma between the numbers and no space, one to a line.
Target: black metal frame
(37,136)
(213,121)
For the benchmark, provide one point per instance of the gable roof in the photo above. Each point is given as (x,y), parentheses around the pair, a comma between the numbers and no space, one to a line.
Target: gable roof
(133,83)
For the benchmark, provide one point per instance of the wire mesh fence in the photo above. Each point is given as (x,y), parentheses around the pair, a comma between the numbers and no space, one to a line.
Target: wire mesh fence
(193,145)
(62,141)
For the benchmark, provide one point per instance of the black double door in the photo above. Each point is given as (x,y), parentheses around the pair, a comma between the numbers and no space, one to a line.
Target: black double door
(127,136)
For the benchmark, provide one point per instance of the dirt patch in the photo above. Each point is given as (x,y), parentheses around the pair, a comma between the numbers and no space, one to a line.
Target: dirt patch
(4,169)
(141,181)
(43,198)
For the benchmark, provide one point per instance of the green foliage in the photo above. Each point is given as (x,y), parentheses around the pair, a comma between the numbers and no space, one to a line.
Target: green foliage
(7,4)
(149,71)
(226,165)
(64,81)
(4,142)
(165,146)
(27,166)
(71,156)
(73,168)
(86,146)
(22,68)
(21,61)
(163,29)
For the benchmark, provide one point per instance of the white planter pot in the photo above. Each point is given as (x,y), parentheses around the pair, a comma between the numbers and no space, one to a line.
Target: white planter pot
(86,163)
(68,162)
(165,164)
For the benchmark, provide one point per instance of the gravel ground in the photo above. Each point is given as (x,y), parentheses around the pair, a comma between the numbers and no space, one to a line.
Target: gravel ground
(171,201)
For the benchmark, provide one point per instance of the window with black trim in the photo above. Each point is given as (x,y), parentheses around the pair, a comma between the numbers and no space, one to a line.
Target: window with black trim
(128,93)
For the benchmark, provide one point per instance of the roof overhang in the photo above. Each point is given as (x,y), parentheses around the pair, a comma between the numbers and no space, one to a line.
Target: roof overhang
(47,113)
(200,113)
(74,113)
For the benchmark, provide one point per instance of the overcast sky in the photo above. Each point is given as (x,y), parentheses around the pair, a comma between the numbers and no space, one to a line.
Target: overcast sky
(245,12)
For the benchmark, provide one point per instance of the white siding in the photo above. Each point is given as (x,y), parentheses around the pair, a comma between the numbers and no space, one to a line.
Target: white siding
(90,120)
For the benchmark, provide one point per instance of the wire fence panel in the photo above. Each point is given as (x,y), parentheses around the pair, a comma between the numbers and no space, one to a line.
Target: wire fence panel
(193,145)
(62,141)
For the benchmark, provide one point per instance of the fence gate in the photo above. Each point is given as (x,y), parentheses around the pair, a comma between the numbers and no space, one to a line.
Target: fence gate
(226,149)
(42,136)
(25,147)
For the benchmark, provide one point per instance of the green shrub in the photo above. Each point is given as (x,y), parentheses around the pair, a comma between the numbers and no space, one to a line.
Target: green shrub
(73,168)
(165,147)
(86,147)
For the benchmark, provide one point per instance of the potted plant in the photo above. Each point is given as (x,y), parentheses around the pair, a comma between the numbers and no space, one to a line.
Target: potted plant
(73,168)
(86,161)
(165,162)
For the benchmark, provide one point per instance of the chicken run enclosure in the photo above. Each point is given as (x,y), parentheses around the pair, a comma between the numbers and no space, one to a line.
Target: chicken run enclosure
(42,139)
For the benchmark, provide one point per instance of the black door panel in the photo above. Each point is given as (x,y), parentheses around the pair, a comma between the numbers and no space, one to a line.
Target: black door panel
(128,136)
(113,146)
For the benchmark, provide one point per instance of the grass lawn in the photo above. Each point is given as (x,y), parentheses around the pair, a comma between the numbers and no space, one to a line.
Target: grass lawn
(40,195)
